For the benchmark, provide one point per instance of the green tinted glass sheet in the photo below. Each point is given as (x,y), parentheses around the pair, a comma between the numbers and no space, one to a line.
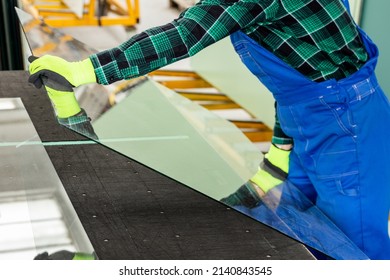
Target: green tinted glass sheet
(178,138)
(222,67)
(155,126)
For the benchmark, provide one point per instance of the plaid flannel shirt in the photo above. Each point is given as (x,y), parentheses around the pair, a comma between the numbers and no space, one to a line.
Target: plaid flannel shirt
(316,37)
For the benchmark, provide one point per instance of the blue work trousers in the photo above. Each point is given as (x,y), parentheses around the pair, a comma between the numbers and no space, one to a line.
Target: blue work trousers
(341,154)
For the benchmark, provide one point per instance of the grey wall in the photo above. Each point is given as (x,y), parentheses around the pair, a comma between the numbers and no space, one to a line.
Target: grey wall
(376,22)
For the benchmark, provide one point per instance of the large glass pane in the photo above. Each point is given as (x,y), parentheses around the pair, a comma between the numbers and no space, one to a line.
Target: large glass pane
(36,214)
(155,126)
(222,67)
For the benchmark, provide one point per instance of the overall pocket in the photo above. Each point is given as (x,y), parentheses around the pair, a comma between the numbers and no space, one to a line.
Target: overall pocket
(336,160)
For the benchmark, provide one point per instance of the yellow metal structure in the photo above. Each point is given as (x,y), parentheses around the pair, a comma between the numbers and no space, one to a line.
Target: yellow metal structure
(56,14)
(192,86)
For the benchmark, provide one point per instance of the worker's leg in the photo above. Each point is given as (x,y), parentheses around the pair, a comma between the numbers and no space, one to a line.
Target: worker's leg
(342,144)
(298,176)
(371,114)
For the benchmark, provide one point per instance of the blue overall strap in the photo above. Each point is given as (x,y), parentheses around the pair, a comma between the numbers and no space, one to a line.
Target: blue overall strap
(346,4)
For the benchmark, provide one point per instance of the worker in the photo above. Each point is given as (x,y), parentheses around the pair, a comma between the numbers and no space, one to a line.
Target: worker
(329,135)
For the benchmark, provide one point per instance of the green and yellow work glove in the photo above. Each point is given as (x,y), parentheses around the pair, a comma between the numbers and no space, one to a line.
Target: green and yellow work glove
(59,74)
(65,103)
(273,170)
(59,78)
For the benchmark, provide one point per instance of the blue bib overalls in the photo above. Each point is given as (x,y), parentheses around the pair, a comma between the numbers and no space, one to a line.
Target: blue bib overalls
(341,154)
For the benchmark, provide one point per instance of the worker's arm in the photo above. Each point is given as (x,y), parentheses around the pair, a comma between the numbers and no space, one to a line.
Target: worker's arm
(195,29)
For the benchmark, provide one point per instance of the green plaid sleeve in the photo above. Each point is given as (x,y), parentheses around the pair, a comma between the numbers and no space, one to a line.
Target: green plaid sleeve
(316,37)
(80,123)
(195,29)
(279,137)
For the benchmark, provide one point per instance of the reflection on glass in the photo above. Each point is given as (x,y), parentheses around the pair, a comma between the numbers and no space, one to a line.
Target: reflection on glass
(287,209)
(157,127)
(36,215)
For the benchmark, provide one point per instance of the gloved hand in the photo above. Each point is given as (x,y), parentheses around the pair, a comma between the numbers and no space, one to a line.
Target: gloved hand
(59,78)
(273,171)
(65,102)
(59,74)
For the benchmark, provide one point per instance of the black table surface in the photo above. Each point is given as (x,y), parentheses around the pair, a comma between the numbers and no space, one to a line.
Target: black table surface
(130,211)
